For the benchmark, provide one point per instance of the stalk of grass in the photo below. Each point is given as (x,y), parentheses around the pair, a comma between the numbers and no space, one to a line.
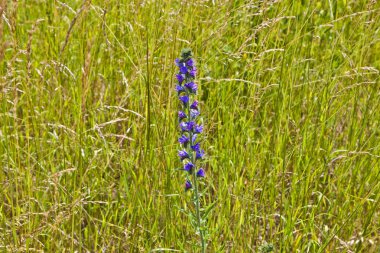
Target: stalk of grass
(290,92)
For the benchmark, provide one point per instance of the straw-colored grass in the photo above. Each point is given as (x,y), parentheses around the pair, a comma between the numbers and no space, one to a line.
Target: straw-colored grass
(290,97)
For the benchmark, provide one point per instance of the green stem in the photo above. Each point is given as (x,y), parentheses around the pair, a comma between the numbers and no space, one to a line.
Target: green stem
(197,207)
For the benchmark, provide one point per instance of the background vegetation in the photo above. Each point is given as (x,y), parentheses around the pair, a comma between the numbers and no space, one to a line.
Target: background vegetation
(88,130)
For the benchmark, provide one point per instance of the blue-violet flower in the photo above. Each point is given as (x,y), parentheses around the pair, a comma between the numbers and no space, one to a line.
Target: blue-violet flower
(181,115)
(184,99)
(199,154)
(183,69)
(194,114)
(183,140)
(188,185)
(194,105)
(196,147)
(201,173)
(183,155)
(190,62)
(180,78)
(192,87)
(188,167)
(179,88)
(198,129)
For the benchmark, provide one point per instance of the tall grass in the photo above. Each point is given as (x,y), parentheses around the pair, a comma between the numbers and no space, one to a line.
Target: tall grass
(290,94)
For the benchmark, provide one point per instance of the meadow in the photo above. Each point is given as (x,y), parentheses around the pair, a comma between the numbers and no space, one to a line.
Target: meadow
(289,92)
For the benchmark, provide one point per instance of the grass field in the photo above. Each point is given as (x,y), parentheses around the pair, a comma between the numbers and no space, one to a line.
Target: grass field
(289,94)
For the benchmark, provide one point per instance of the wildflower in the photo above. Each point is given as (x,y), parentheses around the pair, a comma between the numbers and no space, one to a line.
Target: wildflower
(184,99)
(190,130)
(188,167)
(183,126)
(201,173)
(183,155)
(194,105)
(180,78)
(188,185)
(179,89)
(192,87)
(193,72)
(190,126)
(183,69)
(194,114)
(194,138)
(183,140)
(181,115)
(190,62)
(196,147)
(199,154)
(198,129)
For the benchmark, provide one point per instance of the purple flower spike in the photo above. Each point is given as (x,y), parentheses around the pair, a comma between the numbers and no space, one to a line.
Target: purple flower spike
(188,185)
(198,129)
(190,126)
(184,99)
(194,105)
(188,167)
(192,87)
(181,115)
(201,173)
(183,140)
(180,78)
(183,155)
